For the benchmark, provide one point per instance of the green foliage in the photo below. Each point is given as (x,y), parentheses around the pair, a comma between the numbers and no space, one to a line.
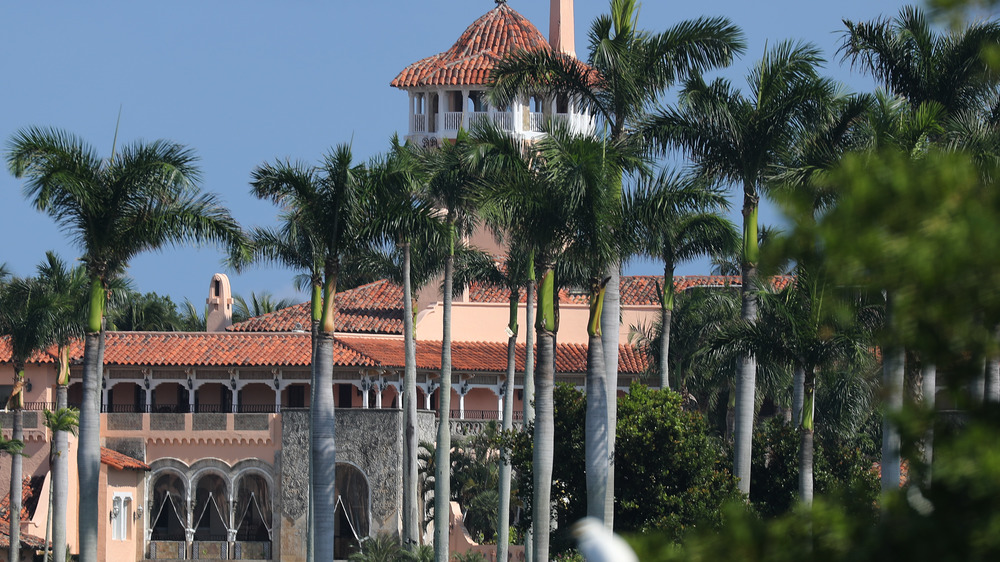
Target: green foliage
(139,312)
(383,547)
(670,473)
(839,467)
(470,556)
(954,518)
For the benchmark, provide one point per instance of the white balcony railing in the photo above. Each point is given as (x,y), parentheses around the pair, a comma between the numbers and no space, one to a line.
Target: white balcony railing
(452,120)
(419,124)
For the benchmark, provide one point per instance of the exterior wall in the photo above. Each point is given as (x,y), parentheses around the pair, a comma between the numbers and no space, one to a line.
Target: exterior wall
(123,482)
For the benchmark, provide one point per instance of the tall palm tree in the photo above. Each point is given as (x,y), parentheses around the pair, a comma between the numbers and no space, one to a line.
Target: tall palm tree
(67,287)
(945,74)
(142,198)
(326,203)
(27,324)
(402,219)
(61,422)
(15,448)
(540,196)
(627,70)
(674,219)
(737,138)
(258,304)
(451,186)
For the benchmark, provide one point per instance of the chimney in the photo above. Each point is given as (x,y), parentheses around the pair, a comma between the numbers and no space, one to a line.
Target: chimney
(561,36)
(220,304)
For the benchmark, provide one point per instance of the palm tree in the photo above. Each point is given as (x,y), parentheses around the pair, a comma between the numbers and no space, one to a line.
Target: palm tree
(27,324)
(540,195)
(325,202)
(627,70)
(61,422)
(140,199)
(739,138)
(15,448)
(944,74)
(673,219)
(451,186)
(403,220)
(68,289)
(263,303)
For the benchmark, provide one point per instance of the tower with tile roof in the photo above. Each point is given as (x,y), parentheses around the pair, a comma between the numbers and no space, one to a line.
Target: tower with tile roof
(447,91)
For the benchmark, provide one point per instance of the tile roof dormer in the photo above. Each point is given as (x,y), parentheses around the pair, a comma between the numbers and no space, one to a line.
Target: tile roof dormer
(468,62)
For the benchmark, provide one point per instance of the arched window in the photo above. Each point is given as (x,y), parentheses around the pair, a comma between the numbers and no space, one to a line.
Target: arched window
(253,509)
(353,497)
(168,513)
(211,509)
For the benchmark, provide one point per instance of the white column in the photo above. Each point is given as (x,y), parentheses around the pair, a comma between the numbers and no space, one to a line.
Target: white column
(427,397)
(365,385)
(379,387)
(149,399)
(465,109)
(191,391)
(105,402)
(277,400)
(461,405)
(235,399)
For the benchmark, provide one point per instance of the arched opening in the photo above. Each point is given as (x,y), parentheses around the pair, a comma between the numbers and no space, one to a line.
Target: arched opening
(211,509)
(253,509)
(168,513)
(170,397)
(351,524)
(127,397)
(256,398)
(213,397)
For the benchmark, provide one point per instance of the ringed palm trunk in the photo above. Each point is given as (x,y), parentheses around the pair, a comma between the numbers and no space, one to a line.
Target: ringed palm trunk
(324,458)
(597,417)
(798,393)
(442,468)
(746,370)
(610,335)
(666,314)
(893,365)
(317,315)
(59,487)
(16,465)
(528,391)
(89,445)
(503,513)
(411,525)
(546,328)
(929,376)
(807,437)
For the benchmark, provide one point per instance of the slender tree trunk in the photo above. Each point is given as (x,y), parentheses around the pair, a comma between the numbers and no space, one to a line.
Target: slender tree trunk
(542,455)
(666,313)
(442,468)
(893,365)
(317,315)
(48,524)
(807,433)
(59,487)
(322,436)
(798,394)
(991,390)
(16,487)
(929,376)
(610,336)
(503,513)
(411,523)
(977,388)
(746,370)
(89,446)
(528,389)
(597,417)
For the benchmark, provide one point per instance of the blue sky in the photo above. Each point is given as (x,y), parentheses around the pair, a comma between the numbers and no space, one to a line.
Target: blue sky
(247,82)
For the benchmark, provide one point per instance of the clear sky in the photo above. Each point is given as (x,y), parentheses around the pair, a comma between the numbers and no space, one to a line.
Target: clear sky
(251,81)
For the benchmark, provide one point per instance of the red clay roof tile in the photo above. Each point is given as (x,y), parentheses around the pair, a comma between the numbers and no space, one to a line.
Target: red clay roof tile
(117,460)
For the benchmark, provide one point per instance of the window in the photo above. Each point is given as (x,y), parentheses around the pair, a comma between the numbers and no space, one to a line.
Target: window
(121,515)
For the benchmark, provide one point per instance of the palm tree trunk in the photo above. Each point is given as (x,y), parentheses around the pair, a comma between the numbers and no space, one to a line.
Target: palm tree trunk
(411,527)
(542,455)
(597,417)
(666,313)
(442,468)
(610,335)
(991,390)
(16,487)
(798,393)
(528,389)
(323,438)
(893,365)
(503,513)
(746,370)
(806,442)
(317,315)
(59,487)
(929,376)
(89,446)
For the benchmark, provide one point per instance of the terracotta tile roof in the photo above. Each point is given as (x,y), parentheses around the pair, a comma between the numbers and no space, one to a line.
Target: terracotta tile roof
(468,62)
(208,349)
(485,356)
(375,308)
(117,460)
(636,290)
(31,489)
